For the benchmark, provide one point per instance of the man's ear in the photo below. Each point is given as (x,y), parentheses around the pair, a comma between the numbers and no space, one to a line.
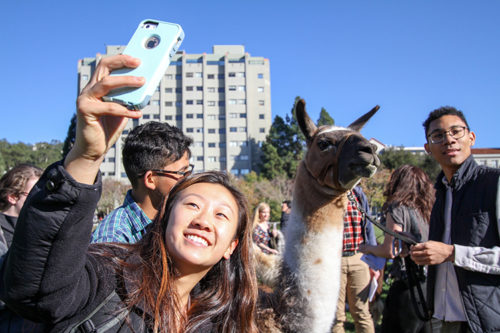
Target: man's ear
(472,137)
(427,149)
(230,249)
(149,180)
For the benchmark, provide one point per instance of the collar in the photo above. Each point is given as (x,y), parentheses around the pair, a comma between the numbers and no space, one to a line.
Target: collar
(464,173)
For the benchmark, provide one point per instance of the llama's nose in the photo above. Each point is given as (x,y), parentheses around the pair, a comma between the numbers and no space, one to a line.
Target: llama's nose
(367,147)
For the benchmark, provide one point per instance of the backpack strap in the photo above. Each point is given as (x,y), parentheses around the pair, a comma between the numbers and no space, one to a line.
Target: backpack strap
(104,317)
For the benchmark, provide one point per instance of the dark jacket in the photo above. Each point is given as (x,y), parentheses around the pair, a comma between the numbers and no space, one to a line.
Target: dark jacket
(48,276)
(473,216)
(8,224)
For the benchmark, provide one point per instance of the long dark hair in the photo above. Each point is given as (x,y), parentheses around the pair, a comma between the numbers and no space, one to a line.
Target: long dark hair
(410,186)
(224,299)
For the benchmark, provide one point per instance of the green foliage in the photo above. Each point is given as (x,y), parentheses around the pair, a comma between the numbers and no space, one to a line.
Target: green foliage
(392,158)
(283,149)
(40,154)
(325,118)
(70,136)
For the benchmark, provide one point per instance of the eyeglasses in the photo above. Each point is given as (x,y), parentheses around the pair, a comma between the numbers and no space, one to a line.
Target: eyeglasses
(456,132)
(186,173)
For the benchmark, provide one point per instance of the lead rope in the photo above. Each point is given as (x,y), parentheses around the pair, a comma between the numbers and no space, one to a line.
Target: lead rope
(420,305)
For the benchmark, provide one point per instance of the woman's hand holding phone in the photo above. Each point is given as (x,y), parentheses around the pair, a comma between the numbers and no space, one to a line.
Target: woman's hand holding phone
(99,123)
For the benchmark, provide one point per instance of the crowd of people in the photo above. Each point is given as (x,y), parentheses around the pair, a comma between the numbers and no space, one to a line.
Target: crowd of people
(148,263)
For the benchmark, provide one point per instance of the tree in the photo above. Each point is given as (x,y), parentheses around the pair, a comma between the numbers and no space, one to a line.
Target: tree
(70,136)
(287,144)
(113,193)
(393,158)
(325,118)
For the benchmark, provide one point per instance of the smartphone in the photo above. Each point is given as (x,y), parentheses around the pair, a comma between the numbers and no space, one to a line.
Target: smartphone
(154,42)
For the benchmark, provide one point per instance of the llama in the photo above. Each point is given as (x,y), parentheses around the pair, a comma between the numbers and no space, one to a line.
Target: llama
(305,298)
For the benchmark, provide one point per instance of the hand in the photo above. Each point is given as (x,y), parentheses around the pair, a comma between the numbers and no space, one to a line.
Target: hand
(99,123)
(374,274)
(432,253)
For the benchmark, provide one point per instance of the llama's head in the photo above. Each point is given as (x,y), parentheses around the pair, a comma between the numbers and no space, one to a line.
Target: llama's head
(337,157)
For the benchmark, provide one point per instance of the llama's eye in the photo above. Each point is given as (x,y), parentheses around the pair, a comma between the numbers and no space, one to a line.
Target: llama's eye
(324,145)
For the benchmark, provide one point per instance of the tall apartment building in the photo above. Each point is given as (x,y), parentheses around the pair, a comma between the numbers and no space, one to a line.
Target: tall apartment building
(222,100)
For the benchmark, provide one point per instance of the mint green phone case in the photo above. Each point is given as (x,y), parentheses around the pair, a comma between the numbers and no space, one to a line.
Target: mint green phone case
(155,47)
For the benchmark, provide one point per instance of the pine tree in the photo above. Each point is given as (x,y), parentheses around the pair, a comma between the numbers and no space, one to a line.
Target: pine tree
(325,118)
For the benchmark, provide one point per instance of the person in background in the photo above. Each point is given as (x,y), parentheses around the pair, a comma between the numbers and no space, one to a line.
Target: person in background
(15,186)
(463,249)
(262,233)
(355,273)
(155,157)
(409,199)
(286,208)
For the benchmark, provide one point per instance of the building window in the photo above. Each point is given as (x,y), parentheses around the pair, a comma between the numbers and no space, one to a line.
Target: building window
(211,130)
(222,103)
(199,129)
(155,102)
(242,101)
(243,115)
(198,143)
(178,117)
(231,102)
(85,77)
(211,89)
(168,103)
(198,74)
(231,74)
(261,102)
(232,88)
(244,171)
(189,102)
(211,76)
(233,115)
(211,103)
(233,129)
(222,145)
(178,103)
(234,172)
(168,117)
(242,129)
(222,116)
(222,131)
(189,88)
(212,159)
(199,88)
(123,175)
(260,89)
(199,116)
(240,74)
(261,116)
(211,145)
(189,116)
(233,143)
(243,143)
(169,76)
(199,102)
(260,75)
(111,159)
(211,117)
(169,90)
(262,130)
(199,158)
(220,89)
(244,157)
(146,116)
(222,158)
(241,88)
(220,76)
(178,76)
(189,74)
(156,116)
(178,90)
(189,130)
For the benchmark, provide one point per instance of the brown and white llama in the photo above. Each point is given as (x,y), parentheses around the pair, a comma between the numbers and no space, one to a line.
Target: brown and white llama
(305,298)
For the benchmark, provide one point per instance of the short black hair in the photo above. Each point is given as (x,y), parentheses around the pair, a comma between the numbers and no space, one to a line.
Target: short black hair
(151,146)
(440,112)
(288,203)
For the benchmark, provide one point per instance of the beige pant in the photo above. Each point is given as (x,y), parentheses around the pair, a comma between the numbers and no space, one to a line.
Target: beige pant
(355,283)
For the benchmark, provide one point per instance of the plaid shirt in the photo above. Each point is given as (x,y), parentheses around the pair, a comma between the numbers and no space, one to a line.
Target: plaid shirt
(126,224)
(353,235)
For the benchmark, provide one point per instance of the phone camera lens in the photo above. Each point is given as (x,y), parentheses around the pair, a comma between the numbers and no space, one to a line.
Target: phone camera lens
(152,42)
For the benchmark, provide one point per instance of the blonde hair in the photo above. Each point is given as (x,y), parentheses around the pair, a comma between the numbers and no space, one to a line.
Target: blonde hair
(260,207)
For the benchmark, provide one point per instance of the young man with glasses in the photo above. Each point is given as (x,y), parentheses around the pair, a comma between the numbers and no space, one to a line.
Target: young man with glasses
(463,250)
(155,156)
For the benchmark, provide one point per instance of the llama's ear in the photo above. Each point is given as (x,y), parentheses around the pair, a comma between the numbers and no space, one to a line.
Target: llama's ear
(306,125)
(358,124)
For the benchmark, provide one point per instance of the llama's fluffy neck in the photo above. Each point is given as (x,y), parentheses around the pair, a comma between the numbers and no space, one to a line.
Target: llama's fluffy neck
(313,255)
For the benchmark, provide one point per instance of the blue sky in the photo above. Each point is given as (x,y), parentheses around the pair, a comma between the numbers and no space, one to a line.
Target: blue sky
(409,57)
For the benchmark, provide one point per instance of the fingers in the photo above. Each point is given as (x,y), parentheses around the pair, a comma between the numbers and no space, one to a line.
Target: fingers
(108,83)
(97,108)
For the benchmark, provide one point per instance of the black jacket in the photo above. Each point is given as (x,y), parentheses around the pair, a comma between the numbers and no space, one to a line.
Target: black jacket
(474,223)
(48,276)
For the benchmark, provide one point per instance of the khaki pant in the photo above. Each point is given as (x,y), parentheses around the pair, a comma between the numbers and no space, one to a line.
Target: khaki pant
(355,284)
